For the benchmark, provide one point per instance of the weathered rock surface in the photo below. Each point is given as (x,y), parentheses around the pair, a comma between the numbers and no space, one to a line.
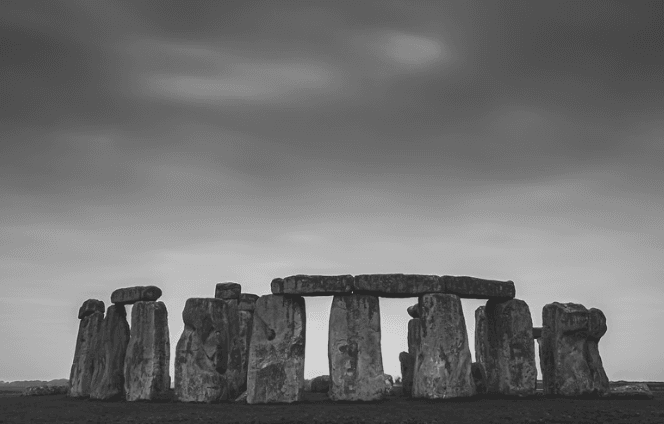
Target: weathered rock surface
(478,288)
(632,391)
(129,295)
(537,332)
(443,361)
(510,355)
(414,330)
(320,384)
(91,306)
(569,358)
(276,355)
(354,350)
(83,365)
(478,371)
(414,311)
(313,285)
(147,362)
(109,350)
(247,302)
(227,291)
(407,368)
(207,356)
(397,285)
(246,322)
(481,335)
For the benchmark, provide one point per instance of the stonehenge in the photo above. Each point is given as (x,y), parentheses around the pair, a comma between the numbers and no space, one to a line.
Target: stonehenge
(243,346)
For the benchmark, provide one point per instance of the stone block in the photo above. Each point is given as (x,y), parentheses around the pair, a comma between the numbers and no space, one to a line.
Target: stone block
(313,285)
(82,368)
(537,332)
(407,362)
(91,306)
(130,295)
(354,350)
(414,329)
(109,355)
(227,291)
(320,384)
(276,354)
(397,285)
(481,335)
(478,371)
(247,302)
(246,322)
(478,288)
(414,311)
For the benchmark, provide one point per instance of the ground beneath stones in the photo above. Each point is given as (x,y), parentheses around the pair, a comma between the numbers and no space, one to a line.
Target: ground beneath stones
(317,409)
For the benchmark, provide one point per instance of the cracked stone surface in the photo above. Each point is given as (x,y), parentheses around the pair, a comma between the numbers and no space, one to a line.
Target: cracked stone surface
(110,348)
(82,368)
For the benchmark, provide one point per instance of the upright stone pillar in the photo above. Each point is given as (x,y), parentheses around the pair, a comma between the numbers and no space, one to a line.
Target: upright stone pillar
(146,369)
(443,361)
(510,353)
(481,336)
(569,357)
(91,315)
(354,351)
(207,356)
(276,354)
(246,307)
(110,349)
(407,359)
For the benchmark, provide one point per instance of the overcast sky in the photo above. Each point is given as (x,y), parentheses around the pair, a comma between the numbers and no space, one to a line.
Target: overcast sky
(186,143)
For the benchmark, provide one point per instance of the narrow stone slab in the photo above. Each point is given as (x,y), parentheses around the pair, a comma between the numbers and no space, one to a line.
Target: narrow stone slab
(354,351)
(146,368)
(443,361)
(407,362)
(276,354)
(478,371)
(414,311)
(130,295)
(207,356)
(313,285)
(247,302)
(82,368)
(478,288)
(109,355)
(414,335)
(481,336)
(510,361)
(227,290)
(246,322)
(398,285)
(91,306)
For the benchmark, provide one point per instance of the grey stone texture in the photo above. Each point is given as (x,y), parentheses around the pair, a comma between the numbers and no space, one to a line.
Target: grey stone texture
(227,291)
(147,361)
(354,350)
(397,285)
(569,355)
(478,288)
(247,302)
(414,331)
(129,295)
(207,356)
(276,354)
(246,322)
(478,370)
(537,332)
(632,391)
(442,361)
(91,306)
(510,355)
(481,335)
(407,362)
(110,348)
(82,368)
(320,384)
(414,311)
(313,285)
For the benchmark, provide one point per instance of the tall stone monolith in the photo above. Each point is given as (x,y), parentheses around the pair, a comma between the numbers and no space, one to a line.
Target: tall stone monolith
(109,355)
(407,362)
(91,315)
(276,354)
(246,305)
(481,340)
(146,368)
(443,361)
(510,351)
(569,357)
(354,351)
(207,356)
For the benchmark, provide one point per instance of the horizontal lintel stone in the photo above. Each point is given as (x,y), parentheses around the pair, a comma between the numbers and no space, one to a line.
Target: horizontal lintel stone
(313,285)
(398,285)
(131,295)
(478,288)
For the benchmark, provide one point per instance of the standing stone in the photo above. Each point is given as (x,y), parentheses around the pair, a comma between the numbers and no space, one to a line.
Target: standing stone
(276,354)
(478,371)
(146,369)
(246,322)
(414,330)
(354,351)
(569,358)
(510,353)
(227,291)
(109,355)
(481,335)
(443,361)
(91,315)
(207,356)
(407,367)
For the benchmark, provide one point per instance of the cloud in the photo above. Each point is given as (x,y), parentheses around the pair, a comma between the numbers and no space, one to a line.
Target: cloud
(409,50)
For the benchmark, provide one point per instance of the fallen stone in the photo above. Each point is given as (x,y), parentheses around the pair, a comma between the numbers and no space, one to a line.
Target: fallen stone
(320,384)
(569,357)
(354,350)
(246,322)
(407,368)
(537,332)
(82,368)
(247,302)
(481,335)
(207,356)
(45,390)
(510,355)
(91,306)
(276,354)
(414,311)
(632,391)
(227,291)
(130,295)
(443,361)
(147,362)
(313,285)
(478,288)
(242,398)
(397,285)
(478,371)
(109,354)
